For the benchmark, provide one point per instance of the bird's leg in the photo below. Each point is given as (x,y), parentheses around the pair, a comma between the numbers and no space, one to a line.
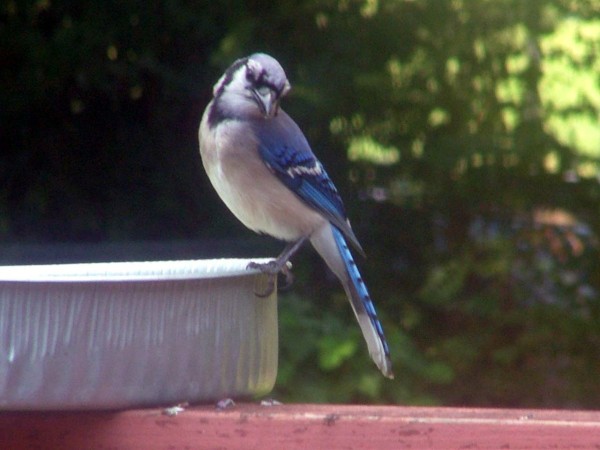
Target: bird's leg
(279,264)
(272,268)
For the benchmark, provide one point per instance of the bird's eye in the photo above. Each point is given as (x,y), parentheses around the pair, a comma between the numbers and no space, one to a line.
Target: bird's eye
(263,90)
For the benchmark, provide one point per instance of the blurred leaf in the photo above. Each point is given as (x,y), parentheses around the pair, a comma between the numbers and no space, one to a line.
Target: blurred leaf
(333,352)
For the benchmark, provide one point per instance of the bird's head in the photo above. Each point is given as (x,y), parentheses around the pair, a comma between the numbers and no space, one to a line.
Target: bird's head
(259,79)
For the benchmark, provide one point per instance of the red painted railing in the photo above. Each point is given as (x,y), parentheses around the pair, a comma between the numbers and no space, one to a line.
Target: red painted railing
(251,426)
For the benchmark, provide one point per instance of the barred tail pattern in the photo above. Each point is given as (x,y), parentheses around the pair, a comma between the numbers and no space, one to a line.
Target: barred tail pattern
(364,308)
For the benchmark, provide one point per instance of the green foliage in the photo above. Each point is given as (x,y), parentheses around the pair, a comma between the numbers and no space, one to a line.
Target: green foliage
(462,134)
(324,359)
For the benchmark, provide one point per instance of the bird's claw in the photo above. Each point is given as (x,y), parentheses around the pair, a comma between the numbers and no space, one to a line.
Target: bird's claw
(270,288)
(289,277)
(272,269)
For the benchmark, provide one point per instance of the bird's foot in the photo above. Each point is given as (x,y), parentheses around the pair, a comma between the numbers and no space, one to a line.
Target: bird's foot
(272,269)
(289,276)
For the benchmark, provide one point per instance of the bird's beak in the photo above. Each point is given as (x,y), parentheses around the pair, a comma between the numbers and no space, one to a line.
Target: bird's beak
(268,102)
(272,105)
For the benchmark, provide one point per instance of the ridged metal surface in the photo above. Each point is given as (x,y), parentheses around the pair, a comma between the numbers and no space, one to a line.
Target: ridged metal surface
(118,335)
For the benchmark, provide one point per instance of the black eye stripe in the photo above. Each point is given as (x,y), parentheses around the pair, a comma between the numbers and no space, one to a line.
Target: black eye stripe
(262,82)
(253,76)
(267,84)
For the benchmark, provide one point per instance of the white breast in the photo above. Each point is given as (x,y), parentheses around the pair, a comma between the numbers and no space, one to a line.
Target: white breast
(248,188)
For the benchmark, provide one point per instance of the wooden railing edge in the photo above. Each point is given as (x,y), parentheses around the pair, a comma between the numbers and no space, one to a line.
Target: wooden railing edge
(302,426)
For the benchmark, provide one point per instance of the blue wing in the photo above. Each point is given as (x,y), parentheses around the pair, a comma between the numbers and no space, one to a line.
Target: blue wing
(285,150)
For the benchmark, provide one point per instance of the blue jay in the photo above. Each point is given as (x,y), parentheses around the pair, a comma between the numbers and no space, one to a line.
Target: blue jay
(263,168)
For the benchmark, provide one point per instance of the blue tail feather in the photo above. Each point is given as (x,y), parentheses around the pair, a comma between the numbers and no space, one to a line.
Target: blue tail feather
(362,300)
